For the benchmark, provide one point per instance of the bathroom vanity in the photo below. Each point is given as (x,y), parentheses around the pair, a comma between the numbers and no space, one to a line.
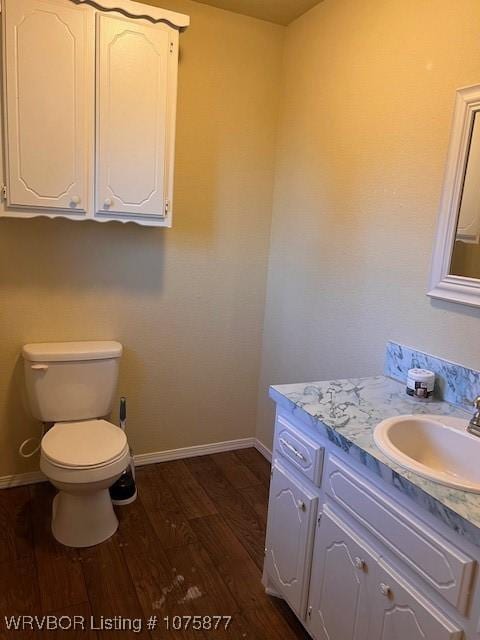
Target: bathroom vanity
(360,548)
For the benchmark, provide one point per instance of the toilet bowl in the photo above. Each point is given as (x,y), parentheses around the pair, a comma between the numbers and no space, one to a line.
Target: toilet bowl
(83,460)
(72,386)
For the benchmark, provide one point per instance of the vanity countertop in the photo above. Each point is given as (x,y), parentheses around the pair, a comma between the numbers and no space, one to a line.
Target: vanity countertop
(346,412)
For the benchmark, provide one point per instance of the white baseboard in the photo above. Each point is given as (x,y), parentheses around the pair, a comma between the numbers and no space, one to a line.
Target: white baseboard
(141,459)
(261,448)
(19,479)
(192,452)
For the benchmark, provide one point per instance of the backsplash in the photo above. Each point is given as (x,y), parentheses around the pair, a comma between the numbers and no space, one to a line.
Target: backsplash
(454,383)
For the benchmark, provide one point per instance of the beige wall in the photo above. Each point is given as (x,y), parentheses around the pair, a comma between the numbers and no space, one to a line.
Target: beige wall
(368,96)
(187,303)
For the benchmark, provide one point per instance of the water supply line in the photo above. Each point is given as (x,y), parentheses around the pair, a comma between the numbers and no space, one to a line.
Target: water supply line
(25,443)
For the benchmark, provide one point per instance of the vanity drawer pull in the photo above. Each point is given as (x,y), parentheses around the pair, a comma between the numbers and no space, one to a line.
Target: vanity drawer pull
(299,448)
(293,450)
(359,563)
(385,590)
(301,505)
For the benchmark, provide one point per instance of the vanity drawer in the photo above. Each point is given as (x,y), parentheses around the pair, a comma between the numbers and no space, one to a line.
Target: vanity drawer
(442,565)
(304,453)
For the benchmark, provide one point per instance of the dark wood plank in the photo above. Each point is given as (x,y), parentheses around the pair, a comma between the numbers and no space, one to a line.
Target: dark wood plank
(59,570)
(258,465)
(164,500)
(268,621)
(238,514)
(135,530)
(202,586)
(168,520)
(15,524)
(19,594)
(238,474)
(234,564)
(111,591)
(257,497)
(243,578)
(192,544)
(156,582)
(191,497)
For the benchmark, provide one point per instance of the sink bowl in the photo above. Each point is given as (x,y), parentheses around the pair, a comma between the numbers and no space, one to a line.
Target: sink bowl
(435,447)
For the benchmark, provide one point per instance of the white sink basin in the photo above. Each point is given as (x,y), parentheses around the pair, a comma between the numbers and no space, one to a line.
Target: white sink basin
(436,447)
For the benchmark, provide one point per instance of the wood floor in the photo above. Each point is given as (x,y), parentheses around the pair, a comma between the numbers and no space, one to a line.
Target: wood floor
(192,544)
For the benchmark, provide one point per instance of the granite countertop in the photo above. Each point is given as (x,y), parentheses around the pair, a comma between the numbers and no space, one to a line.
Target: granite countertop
(347,412)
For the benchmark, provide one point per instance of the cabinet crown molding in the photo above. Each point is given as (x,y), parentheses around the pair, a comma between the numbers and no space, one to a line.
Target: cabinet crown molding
(132,9)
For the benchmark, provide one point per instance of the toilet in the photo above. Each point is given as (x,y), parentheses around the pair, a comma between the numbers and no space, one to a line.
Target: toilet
(70,388)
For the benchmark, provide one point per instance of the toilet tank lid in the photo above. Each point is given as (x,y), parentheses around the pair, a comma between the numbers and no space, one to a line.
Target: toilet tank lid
(71,351)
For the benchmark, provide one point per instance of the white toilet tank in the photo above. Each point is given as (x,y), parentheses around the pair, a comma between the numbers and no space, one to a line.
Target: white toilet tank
(68,381)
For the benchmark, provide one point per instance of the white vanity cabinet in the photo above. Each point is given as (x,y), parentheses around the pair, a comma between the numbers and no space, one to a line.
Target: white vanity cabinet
(379,569)
(400,610)
(340,599)
(355,596)
(292,512)
(89,109)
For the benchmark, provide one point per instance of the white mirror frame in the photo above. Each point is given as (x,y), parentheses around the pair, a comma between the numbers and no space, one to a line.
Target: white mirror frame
(443,285)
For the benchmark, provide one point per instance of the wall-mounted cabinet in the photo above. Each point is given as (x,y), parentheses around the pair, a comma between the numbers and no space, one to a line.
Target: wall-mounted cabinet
(89,109)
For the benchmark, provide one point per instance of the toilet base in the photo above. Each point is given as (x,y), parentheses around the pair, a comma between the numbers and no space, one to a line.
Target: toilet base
(83,520)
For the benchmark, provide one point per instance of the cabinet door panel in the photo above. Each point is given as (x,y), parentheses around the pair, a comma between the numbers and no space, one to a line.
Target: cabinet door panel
(134,92)
(445,567)
(400,612)
(291,521)
(340,599)
(49,80)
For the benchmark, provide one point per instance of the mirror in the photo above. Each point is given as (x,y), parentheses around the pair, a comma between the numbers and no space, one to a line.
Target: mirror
(466,248)
(456,258)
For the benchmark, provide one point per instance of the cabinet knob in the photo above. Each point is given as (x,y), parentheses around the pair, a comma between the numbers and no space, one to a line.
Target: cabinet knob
(108,203)
(75,200)
(301,505)
(385,590)
(359,563)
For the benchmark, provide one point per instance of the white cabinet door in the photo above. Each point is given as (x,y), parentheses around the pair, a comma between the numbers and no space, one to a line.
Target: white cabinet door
(136,96)
(291,522)
(401,612)
(49,83)
(340,602)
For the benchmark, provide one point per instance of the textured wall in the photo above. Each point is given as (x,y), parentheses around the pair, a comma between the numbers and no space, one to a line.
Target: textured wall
(368,97)
(187,303)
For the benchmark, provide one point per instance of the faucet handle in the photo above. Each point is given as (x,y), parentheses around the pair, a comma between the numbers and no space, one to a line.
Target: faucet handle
(476,403)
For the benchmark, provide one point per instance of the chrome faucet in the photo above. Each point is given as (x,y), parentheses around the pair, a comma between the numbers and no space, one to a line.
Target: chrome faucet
(474,424)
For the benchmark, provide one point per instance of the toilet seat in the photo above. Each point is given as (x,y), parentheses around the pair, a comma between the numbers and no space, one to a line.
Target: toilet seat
(88,444)
(85,452)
